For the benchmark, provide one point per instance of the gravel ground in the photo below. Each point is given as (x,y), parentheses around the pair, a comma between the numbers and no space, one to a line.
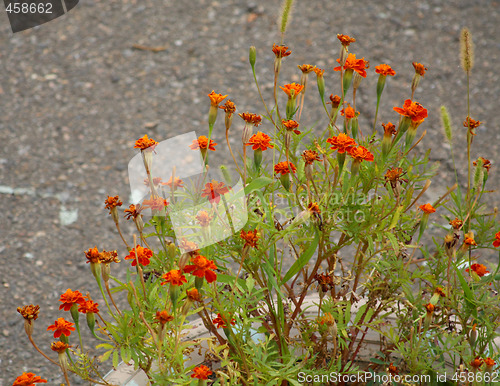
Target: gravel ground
(75,95)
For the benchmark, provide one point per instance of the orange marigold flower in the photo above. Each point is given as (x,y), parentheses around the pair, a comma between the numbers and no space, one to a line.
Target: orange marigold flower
(61,327)
(69,298)
(360,153)
(420,69)
(112,202)
(89,307)
(202,143)
(133,211)
(291,125)
(143,255)
(306,68)
(427,208)
(335,100)
(254,119)
(174,277)
(201,372)
(213,190)
(204,218)
(393,370)
(92,255)
(313,207)
(202,267)
(193,295)
(384,70)
(469,239)
(29,312)
(345,40)
(59,347)
(260,141)
(489,362)
(215,98)
(486,163)
(351,63)
(281,51)
(476,363)
(228,107)
(220,322)
(349,112)
(342,143)
(145,143)
(318,71)
(429,307)
(413,110)
(496,243)
(157,203)
(163,317)
(327,319)
(250,237)
(479,269)
(288,88)
(284,168)
(28,379)
(178,183)
(389,129)
(309,156)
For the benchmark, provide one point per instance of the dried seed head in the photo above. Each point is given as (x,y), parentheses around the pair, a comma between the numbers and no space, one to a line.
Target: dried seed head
(466,50)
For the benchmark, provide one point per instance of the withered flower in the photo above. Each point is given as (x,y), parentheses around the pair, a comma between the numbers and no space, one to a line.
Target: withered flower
(251,118)
(486,163)
(420,69)
(193,295)
(281,51)
(325,282)
(456,223)
(163,317)
(345,40)
(335,100)
(203,218)
(306,68)
(309,156)
(133,211)
(59,347)
(250,238)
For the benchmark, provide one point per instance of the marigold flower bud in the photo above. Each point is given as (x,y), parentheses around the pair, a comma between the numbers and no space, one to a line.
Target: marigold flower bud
(348,74)
(252,56)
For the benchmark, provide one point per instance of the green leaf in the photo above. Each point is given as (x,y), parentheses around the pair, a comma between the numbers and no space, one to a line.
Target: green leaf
(115,359)
(393,241)
(303,259)
(126,354)
(257,184)
(469,295)
(104,357)
(360,313)
(378,361)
